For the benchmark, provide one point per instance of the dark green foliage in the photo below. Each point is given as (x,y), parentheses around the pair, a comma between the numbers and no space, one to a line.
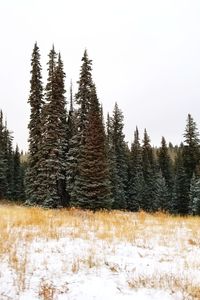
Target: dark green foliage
(72,155)
(161,194)
(73,162)
(119,167)
(3,167)
(63,136)
(78,121)
(148,173)
(194,207)
(10,166)
(166,166)
(186,165)
(36,102)
(116,184)
(191,152)
(136,181)
(180,201)
(92,185)
(8,156)
(54,137)
(18,177)
(84,93)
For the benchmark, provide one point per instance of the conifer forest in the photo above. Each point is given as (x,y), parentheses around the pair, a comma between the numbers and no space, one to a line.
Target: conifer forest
(78,157)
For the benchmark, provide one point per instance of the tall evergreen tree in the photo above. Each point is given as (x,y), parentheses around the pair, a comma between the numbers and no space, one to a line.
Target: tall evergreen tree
(119,155)
(73,144)
(186,165)
(180,201)
(83,95)
(191,150)
(165,163)
(63,136)
(166,166)
(18,177)
(148,173)
(116,183)
(52,164)
(8,156)
(83,98)
(36,102)
(161,193)
(136,182)
(194,207)
(3,177)
(92,185)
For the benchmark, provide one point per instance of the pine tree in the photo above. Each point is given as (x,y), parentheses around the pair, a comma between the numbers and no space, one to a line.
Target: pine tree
(165,163)
(161,200)
(8,157)
(63,130)
(36,101)
(186,165)
(119,154)
(85,85)
(73,146)
(148,173)
(191,152)
(18,177)
(194,207)
(166,167)
(136,181)
(80,121)
(52,164)
(92,186)
(3,178)
(116,183)
(180,201)
(72,128)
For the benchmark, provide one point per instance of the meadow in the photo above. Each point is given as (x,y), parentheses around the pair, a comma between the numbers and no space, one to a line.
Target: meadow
(74,254)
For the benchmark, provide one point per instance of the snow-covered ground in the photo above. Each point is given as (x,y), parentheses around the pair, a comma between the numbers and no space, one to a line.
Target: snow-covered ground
(88,257)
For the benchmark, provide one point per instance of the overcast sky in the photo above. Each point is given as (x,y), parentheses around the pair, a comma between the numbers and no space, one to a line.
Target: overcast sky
(146,56)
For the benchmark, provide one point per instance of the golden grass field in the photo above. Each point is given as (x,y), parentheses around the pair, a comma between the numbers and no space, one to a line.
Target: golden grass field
(178,237)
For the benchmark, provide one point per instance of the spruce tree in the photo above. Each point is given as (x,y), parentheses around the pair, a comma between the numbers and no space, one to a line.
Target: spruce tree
(161,200)
(92,185)
(180,201)
(18,177)
(63,136)
(165,163)
(79,121)
(148,173)
(83,95)
(36,102)
(194,206)
(52,161)
(119,154)
(191,151)
(73,146)
(166,166)
(3,177)
(72,126)
(116,183)
(187,164)
(136,181)
(8,157)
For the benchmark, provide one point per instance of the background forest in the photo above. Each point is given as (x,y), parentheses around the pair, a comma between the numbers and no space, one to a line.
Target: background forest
(77,159)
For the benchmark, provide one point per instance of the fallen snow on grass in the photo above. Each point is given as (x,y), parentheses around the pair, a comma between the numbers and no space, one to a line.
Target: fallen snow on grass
(67,265)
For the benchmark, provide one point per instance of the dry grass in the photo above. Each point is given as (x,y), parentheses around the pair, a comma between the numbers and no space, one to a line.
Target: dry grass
(167,282)
(23,225)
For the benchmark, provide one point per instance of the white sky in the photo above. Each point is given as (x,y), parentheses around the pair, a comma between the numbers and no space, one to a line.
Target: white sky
(146,56)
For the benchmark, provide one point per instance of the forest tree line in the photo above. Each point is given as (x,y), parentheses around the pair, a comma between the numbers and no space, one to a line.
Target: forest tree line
(77,159)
